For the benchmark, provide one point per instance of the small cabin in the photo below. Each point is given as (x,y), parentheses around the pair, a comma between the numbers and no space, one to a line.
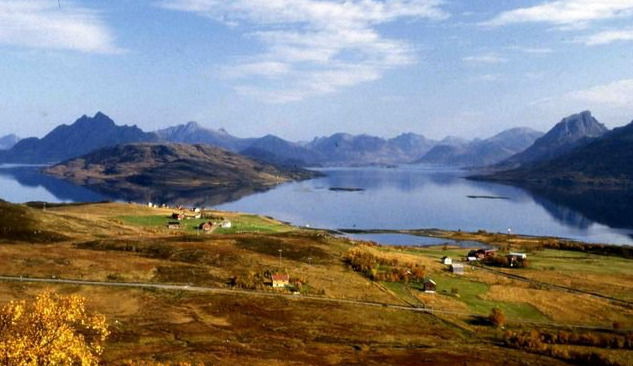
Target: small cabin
(430,286)
(280,280)
(206,226)
(173,225)
(457,268)
(517,255)
(447,260)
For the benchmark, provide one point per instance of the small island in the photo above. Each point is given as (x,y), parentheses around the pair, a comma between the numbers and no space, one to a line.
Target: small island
(346,189)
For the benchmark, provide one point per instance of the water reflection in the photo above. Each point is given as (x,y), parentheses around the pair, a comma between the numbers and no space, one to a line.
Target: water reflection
(400,198)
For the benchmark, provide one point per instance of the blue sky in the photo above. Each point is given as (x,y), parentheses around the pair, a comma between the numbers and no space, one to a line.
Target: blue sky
(304,68)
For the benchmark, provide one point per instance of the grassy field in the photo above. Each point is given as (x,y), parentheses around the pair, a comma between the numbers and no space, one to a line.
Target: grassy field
(121,242)
(239,223)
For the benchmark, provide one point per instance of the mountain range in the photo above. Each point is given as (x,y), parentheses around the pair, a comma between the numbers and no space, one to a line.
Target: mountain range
(64,142)
(90,133)
(479,153)
(571,132)
(578,153)
(603,161)
(518,150)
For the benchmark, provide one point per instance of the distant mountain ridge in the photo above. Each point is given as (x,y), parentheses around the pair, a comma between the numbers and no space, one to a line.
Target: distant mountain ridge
(8,141)
(337,149)
(86,134)
(603,161)
(571,132)
(477,153)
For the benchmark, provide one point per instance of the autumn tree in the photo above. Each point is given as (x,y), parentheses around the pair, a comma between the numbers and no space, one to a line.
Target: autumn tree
(497,317)
(51,330)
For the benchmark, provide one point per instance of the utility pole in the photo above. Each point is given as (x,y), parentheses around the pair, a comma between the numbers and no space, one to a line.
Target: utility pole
(280,250)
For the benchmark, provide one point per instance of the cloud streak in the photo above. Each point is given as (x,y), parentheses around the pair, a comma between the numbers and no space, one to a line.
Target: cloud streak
(488,58)
(607,37)
(565,13)
(312,47)
(42,24)
(617,94)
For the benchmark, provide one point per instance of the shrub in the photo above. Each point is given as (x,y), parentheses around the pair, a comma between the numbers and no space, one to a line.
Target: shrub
(497,317)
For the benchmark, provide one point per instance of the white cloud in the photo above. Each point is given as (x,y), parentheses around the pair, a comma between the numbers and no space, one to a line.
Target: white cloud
(613,102)
(565,12)
(532,50)
(488,58)
(618,94)
(42,24)
(313,47)
(606,37)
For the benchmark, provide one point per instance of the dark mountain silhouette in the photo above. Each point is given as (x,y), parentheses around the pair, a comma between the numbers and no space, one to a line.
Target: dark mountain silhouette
(64,142)
(602,162)
(573,131)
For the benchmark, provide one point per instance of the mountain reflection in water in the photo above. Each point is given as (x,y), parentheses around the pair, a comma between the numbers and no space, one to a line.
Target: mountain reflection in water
(401,198)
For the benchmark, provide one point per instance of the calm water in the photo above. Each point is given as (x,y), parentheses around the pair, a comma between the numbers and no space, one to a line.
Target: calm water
(400,198)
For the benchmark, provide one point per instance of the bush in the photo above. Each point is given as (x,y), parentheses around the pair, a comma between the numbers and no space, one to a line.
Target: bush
(497,317)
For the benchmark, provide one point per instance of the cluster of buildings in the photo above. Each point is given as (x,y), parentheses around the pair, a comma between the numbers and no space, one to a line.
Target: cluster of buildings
(196,214)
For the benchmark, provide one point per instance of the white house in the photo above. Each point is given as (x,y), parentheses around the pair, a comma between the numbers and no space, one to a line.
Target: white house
(226,224)
(447,260)
(457,268)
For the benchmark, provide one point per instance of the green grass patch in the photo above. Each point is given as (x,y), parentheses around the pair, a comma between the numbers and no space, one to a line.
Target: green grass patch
(471,292)
(400,289)
(161,221)
(578,262)
(253,223)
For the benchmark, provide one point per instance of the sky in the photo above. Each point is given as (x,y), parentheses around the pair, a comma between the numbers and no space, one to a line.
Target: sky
(305,68)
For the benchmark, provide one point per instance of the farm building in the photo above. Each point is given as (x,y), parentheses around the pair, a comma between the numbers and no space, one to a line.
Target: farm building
(280,280)
(482,253)
(173,225)
(430,286)
(457,268)
(447,260)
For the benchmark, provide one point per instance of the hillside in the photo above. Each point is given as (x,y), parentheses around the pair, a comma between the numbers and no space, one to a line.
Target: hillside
(178,295)
(482,152)
(162,170)
(604,162)
(571,132)
(68,141)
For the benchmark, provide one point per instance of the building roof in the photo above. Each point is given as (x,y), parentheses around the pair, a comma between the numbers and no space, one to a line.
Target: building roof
(280,277)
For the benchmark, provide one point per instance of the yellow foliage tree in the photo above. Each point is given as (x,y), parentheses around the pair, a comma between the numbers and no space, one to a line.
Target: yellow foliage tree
(51,330)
